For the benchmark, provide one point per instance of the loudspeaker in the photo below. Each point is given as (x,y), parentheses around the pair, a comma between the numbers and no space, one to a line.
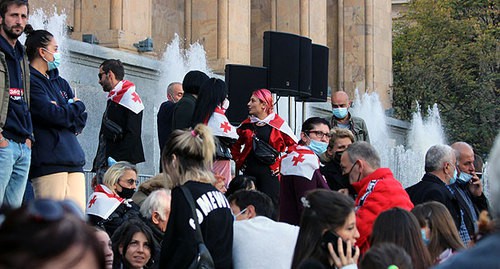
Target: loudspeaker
(241,81)
(288,61)
(319,79)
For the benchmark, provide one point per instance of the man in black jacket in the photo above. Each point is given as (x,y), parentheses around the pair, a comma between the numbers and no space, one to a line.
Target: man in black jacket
(440,172)
(468,187)
(121,127)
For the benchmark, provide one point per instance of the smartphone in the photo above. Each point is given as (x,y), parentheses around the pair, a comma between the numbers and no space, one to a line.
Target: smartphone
(331,237)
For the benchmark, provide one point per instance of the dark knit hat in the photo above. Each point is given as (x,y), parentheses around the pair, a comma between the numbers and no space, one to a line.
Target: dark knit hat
(193,80)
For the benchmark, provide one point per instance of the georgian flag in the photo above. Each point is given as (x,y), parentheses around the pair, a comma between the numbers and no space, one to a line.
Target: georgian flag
(301,161)
(103,202)
(124,94)
(220,126)
(275,121)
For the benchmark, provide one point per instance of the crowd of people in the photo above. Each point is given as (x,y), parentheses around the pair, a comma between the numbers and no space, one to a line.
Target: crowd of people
(319,200)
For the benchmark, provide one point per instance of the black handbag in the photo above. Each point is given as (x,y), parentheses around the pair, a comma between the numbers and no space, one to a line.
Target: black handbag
(203,259)
(263,152)
(222,148)
(112,130)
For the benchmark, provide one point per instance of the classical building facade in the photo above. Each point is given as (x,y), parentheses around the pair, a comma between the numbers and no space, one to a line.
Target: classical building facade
(358,32)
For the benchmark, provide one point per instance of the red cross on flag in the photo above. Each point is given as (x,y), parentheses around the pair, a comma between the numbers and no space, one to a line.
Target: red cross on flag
(124,94)
(220,125)
(301,161)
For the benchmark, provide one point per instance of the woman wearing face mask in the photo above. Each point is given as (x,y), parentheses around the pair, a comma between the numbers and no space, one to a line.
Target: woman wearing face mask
(211,106)
(110,205)
(439,232)
(300,169)
(270,128)
(57,158)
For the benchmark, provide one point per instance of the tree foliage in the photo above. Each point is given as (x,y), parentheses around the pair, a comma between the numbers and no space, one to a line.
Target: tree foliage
(447,52)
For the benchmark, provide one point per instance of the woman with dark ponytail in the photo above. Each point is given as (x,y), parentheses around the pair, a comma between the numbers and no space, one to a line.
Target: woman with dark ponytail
(187,158)
(57,158)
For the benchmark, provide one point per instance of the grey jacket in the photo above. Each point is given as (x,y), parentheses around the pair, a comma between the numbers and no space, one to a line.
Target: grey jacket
(5,86)
(358,127)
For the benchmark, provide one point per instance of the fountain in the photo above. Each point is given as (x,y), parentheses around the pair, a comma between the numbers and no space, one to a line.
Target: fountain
(80,65)
(407,163)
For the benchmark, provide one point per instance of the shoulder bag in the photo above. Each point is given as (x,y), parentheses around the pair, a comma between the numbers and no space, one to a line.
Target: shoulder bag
(263,152)
(203,259)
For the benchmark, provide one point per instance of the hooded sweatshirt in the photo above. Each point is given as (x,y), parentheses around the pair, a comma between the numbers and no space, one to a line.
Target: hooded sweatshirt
(56,122)
(18,126)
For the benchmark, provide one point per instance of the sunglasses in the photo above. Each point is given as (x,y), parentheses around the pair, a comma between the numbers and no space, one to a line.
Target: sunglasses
(46,210)
(100,75)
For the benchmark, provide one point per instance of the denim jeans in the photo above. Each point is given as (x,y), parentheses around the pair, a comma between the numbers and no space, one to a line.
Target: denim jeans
(15,162)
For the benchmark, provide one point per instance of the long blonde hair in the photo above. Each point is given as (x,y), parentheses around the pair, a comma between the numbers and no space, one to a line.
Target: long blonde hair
(188,155)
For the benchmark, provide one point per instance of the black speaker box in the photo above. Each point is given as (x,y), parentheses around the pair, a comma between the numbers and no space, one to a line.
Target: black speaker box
(288,61)
(241,81)
(319,79)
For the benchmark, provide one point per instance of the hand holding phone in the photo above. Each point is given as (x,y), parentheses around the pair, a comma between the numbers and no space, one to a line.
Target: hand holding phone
(331,237)
(341,253)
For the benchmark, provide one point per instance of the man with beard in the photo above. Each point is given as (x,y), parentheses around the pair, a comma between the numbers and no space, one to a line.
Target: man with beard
(121,127)
(15,119)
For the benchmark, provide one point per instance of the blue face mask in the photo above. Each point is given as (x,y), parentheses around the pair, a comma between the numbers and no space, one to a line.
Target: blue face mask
(424,237)
(317,146)
(57,60)
(339,112)
(464,178)
(454,178)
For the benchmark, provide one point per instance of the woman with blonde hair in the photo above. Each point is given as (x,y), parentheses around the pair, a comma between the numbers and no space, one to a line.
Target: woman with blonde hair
(438,230)
(187,157)
(111,204)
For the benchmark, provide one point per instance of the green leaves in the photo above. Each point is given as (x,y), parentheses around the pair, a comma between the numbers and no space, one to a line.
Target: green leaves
(447,52)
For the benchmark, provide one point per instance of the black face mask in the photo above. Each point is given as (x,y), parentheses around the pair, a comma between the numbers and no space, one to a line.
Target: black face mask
(126,193)
(337,155)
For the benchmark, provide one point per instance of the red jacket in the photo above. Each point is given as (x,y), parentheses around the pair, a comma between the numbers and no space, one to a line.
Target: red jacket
(377,193)
(278,140)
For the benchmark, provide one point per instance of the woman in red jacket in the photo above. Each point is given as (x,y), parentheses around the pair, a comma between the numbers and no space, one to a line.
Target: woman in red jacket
(270,128)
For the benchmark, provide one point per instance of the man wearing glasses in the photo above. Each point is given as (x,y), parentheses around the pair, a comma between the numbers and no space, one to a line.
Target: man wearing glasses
(343,119)
(121,127)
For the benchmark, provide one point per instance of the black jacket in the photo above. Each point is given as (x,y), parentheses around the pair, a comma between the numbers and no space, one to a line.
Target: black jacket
(179,245)
(431,188)
(164,121)
(128,147)
(183,112)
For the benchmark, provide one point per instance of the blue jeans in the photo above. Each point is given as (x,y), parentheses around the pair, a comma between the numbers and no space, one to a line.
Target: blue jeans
(15,162)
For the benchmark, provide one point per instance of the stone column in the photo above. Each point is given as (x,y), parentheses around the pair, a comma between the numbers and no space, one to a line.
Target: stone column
(116,14)
(222,29)
(77,22)
(188,20)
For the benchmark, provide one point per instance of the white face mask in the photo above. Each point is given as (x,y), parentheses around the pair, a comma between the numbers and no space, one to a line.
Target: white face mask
(225,104)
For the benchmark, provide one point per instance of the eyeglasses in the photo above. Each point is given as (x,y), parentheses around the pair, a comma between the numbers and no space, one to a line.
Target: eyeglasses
(100,75)
(131,181)
(319,134)
(46,210)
